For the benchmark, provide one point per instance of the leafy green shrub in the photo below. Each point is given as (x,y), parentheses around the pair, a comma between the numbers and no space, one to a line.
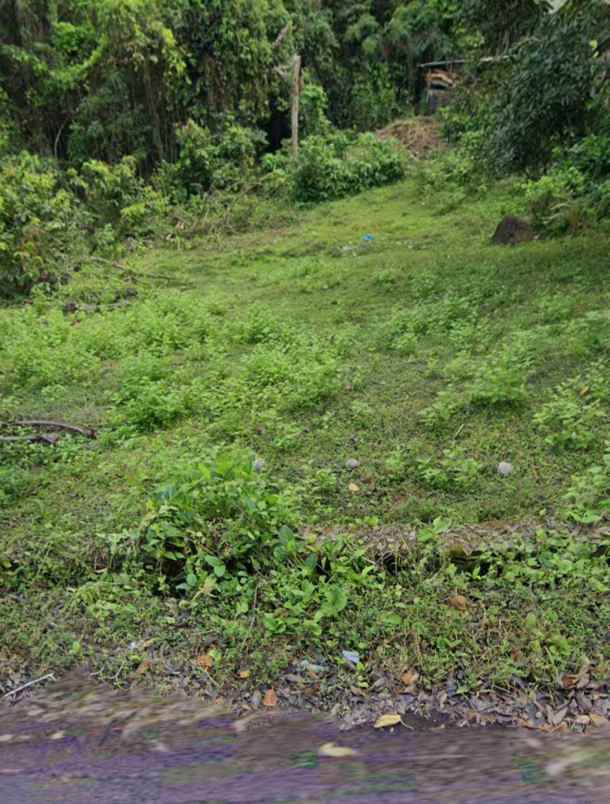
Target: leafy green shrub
(397,463)
(567,420)
(499,384)
(151,394)
(555,308)
(548,560)
(386,280)
(142,217)
(109,188)
(453,472)
(212,527)
(548,196)
(208,162)
(164,323)
(446,179)
(324,483)
(294,376)
(465,113)
(221,536)
(41,234)
(543,97)
(502,376)
(344,164)
(575,191)
(60,352)
(401,330)
(591,155)
(405,344)
(14,483)
(589,334)
(261,326)
(594,383)
(9,131)
(599,199)
(313,109)
(588,498)
(442,411)
(39,356)
(117,196)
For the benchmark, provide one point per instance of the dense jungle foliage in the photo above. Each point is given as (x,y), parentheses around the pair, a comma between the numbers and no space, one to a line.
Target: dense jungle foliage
(119,116)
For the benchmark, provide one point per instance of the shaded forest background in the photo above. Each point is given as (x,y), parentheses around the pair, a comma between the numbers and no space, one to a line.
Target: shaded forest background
(114,113)
(99,80)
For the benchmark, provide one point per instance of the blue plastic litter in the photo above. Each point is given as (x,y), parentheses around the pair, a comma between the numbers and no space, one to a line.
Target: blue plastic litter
(368,238)
(351,657)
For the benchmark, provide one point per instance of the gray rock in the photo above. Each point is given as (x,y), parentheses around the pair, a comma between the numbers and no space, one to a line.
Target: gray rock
(258,465)
(352,464)
(511,231)
(505,469)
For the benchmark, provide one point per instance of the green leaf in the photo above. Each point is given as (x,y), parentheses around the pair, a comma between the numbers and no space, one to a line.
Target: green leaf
(336,600)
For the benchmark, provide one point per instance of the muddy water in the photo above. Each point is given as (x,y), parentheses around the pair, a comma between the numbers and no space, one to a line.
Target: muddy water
(78,745)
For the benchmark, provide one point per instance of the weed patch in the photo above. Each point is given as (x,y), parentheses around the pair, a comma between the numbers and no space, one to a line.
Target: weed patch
(254,422)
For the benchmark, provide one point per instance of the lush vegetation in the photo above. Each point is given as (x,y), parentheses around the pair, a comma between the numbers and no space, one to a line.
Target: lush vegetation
(117,116)
(279,395)
(330,415)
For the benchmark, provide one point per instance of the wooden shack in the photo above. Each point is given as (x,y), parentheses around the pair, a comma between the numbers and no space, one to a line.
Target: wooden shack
(440,79)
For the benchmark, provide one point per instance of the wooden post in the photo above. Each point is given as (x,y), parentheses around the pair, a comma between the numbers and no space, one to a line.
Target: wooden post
(295,103)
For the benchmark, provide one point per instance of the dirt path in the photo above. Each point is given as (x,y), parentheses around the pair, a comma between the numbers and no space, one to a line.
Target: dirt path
(78,746)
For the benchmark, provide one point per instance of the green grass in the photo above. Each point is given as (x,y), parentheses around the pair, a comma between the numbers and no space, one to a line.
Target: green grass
(427,355)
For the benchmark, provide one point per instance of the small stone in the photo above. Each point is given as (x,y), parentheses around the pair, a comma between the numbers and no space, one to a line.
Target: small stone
(312,667)
(505,469)
(352,464)
(258,465)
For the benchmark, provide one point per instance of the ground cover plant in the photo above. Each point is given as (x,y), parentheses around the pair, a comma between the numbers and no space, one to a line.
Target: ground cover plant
(292,427)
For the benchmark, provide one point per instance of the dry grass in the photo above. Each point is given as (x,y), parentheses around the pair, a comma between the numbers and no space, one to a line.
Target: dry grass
(421,136)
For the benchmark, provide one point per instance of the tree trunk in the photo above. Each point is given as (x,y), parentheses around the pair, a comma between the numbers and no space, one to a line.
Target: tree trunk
(153,109)
(295,103)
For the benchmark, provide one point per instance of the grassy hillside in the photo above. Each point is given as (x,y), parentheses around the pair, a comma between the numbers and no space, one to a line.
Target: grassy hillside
(374,384)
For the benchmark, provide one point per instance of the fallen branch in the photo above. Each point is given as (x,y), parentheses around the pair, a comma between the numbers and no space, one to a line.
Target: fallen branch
(88,432)
(45,438)
(141,274)
(29,684)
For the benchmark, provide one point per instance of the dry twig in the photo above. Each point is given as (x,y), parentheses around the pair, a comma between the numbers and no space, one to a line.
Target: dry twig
(140,274)
(29,684)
